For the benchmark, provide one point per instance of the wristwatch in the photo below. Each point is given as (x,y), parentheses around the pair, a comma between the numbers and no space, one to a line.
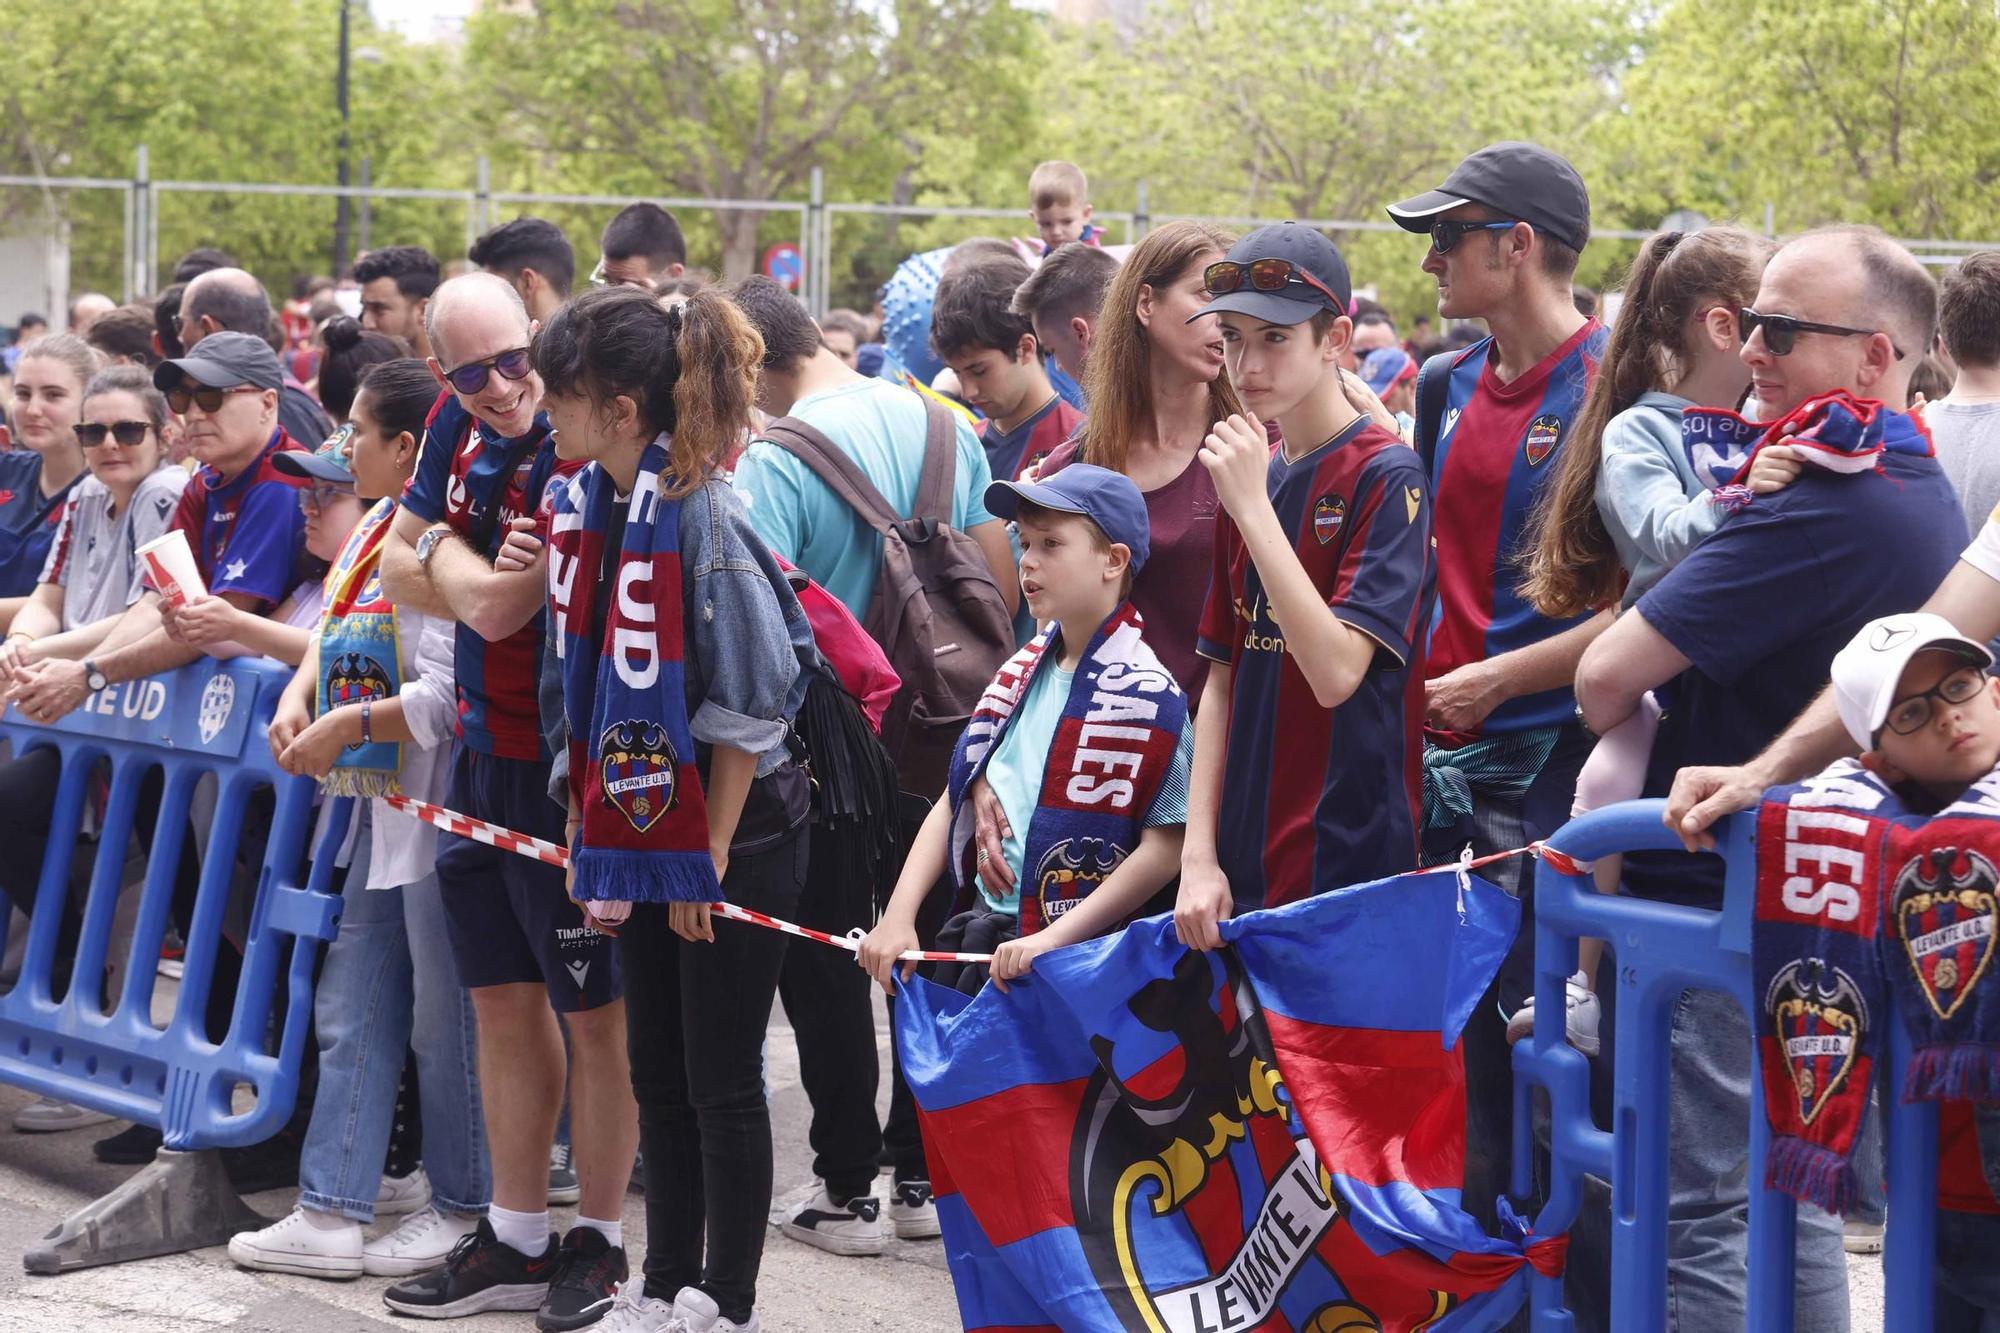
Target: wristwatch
(427,544)
(92,676)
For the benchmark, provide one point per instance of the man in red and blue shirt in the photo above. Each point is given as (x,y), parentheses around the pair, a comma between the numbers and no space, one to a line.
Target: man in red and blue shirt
(526,952)
(1502,742)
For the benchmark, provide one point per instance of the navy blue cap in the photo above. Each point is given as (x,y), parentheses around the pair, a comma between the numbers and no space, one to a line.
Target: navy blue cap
(1297,302)
(1515,179)
(1109,499)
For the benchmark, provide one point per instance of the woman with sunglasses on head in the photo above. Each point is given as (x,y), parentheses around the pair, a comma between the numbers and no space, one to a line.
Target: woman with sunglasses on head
(680,646)
(371,712)
(92,575)
(45,462)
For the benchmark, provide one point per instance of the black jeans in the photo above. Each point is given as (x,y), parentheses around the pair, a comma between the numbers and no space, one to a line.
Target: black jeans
(827,999)
(695,1019)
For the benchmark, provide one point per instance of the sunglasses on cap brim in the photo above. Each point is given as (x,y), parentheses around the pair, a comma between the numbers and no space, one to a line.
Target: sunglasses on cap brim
(1263,275)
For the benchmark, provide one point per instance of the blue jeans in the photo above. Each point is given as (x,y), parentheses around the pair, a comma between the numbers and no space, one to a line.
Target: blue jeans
(1708,1183)
(390,984)
(1968,1284)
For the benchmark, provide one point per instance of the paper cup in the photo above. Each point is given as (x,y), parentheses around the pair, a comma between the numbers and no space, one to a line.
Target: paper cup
(171,568)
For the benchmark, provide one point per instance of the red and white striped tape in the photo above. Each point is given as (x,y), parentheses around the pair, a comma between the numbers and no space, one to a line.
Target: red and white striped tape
(522,845)
(465,826)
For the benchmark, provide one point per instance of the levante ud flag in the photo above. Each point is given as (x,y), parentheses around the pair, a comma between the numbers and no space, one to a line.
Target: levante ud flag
(1269,1137)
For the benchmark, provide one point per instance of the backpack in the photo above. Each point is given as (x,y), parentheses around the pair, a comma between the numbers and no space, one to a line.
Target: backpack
(1433,385)
(936,610)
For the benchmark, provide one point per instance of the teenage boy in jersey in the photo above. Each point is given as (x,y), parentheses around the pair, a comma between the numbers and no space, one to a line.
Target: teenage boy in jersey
(524,949)
(1306,761)
(998,361)
(1502,739)
(240,516)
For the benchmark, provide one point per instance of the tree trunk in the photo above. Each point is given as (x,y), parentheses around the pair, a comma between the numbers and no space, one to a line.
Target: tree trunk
(739,242)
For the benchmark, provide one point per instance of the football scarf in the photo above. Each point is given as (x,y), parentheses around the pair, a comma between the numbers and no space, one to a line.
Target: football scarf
(1836,432)
(1941,898)
(1113,747)
(360,655)
(632,767)
(1269,1136)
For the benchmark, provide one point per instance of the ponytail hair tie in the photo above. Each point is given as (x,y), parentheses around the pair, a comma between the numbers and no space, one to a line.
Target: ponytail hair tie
(676,319)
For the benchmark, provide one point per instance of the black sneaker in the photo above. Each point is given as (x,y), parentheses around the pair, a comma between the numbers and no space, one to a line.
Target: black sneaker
(479,1274)
(564,1188)
(133,1146)
(588,1271)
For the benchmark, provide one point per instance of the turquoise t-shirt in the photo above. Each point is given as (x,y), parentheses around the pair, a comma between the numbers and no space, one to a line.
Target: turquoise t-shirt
(881,427)
(1015,774)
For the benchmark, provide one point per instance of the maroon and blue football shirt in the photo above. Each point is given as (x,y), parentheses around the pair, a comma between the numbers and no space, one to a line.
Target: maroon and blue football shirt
(247,534)
(479,483)
(1315,799)
(1013,452)
(1497,446)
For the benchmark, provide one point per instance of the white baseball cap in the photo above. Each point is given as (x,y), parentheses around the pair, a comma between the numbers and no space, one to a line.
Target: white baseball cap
(1867,671)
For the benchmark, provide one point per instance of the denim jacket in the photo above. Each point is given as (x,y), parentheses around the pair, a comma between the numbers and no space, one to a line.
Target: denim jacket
(749,649)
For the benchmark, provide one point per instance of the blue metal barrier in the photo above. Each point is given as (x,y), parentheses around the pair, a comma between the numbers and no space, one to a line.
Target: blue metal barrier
(1659,951)
(202,720)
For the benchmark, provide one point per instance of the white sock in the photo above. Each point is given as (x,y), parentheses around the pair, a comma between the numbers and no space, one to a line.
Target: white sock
(613,1231)
(526,1232)
(321,1220)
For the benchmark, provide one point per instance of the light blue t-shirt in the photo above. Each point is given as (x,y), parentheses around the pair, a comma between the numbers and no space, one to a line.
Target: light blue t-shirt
(881,427)
(1015,774)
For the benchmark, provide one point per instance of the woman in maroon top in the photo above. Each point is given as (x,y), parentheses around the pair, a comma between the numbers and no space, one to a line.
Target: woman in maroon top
(1155,386)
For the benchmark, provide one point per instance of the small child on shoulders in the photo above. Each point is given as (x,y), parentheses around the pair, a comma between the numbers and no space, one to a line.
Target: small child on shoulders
(1059,202)
(1083,737)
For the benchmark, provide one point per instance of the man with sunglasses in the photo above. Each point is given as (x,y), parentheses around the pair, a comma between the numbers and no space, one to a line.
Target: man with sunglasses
(1746,629)
(239,513)
(524,950)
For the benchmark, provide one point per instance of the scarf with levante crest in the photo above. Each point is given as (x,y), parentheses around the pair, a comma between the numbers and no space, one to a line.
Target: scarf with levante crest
(360,656)
(1114,745)
(632,767)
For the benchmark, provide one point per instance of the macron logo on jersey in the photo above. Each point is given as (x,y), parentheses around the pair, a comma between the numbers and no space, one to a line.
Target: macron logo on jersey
(1450,420)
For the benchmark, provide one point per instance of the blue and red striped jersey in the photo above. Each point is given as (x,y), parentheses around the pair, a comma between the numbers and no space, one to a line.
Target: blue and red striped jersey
(479,483)
(1013,452)
(1316,799)
(1497,447)
(247,533)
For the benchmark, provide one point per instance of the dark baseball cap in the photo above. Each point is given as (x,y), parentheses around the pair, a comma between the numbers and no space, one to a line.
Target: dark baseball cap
(223,361)
(1524,181)
(1109,499)
(1297,302)
(329,462)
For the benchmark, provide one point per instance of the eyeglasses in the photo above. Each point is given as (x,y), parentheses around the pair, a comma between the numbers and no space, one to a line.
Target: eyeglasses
(1914,713)
(316,498)
(1782,331)
(1263,275)
(208,400)
(1445,235)
(470,378)
(129,434)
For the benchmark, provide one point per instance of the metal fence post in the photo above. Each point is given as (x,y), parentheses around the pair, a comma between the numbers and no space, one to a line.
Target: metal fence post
(815,287)
(481,202)
(1142,217)
(367,206)
(146,210)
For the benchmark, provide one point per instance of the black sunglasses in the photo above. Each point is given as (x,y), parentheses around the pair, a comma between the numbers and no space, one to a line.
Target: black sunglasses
(1263,275)
(1782,331)
(1910,715)
(1444,235)
(509,365)
(180,397)
(129,434)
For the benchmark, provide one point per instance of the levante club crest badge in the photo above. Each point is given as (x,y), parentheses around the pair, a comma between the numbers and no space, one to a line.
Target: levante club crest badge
(352,678)
(1544,433)
(1200,1204)
(1068,871)
(640,771)
(1819,1018)
(1328,516)
(1945,912)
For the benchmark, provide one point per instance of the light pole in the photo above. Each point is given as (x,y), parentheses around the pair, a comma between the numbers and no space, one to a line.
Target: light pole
(342,207)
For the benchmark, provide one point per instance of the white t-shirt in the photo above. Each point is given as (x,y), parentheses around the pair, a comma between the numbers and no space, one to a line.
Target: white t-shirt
(95,556)
(1984,553)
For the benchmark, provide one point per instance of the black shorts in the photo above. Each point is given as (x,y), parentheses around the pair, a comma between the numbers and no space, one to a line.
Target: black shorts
(510,917)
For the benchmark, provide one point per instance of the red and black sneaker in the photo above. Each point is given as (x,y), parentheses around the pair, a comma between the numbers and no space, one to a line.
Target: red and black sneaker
(586,1281)
(479,1274)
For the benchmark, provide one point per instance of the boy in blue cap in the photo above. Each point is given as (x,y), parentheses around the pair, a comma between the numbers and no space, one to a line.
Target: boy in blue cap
(1082,737)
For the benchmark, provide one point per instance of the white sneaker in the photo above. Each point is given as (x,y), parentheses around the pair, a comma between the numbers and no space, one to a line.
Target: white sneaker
(1580,1015)
(912,1212)
(422,1243)
(293,1244)
(853,1228)
(699,1313)
(46,1115)
(633,1311)
(402,1195)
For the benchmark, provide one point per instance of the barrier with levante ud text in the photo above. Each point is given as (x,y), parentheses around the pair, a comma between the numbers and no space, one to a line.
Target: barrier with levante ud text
(204,720)
(1657,952)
